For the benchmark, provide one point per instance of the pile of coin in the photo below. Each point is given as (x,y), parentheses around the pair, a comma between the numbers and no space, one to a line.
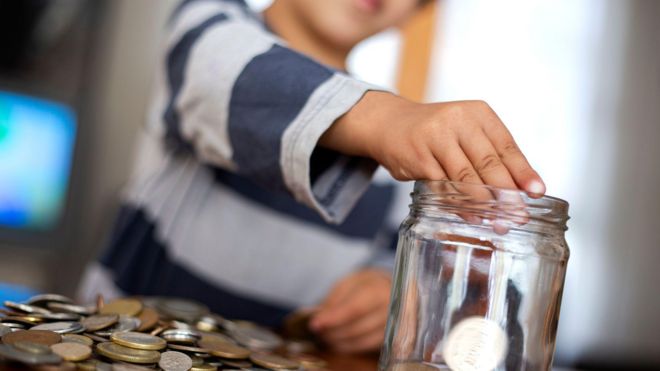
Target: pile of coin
(50,331)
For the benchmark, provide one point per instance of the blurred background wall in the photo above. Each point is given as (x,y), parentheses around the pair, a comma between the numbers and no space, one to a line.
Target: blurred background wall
(577,82)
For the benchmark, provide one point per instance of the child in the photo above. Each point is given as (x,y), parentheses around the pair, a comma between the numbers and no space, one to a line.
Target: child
(253,117)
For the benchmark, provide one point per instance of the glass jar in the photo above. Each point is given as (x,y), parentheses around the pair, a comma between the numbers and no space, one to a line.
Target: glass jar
(478,280)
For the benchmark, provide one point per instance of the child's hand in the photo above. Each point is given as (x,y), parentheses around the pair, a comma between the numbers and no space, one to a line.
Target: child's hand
(353,316)
(462,141)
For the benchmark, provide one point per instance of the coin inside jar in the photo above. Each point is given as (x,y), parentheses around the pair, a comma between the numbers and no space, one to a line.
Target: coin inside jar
(125,306)
(138,340)
(33,336)
(72,351)
(122,353)
(273,361)
(174,361)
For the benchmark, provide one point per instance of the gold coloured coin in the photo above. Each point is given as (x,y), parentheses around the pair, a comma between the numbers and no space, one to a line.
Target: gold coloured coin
(33,336)
(138,340)
(75,338)
(72,351)
(273,361)
(99,321)
(148,319)
(126,306)
(225,350)
(122,353)
(204,367)
(237,363)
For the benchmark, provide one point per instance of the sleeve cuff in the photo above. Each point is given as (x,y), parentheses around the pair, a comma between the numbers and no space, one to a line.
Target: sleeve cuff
(335,191)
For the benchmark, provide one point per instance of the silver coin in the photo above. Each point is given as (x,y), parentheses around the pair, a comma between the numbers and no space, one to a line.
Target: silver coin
(71,308)
(43,299)
(68,327)
(174,361)
(4,330)
(26,308)
(256,337)
(182,309)
(181,336)
(11,353)
(125,324)
(13,327)
(30,347)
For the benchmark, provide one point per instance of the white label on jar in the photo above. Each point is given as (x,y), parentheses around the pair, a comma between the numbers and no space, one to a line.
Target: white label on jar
(475,344)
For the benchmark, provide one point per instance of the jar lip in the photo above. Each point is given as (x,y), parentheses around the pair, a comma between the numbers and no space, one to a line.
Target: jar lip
(484,202)
(428,188)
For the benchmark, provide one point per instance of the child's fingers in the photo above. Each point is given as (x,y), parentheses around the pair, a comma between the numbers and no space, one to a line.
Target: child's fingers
(368,342)
(523,173)
(456,164)
(486,161)
(372,321)
(344,312)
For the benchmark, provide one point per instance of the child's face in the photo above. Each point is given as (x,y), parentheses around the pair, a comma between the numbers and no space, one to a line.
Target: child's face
(346,22)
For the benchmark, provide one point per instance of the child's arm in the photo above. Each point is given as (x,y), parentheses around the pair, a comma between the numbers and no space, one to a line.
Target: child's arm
(463,141)
(239,99)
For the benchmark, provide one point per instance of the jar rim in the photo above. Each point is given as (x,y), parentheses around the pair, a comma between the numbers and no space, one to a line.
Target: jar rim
(490,202)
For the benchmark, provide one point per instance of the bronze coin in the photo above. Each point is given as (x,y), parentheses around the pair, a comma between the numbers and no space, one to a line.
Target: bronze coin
(125,306)
(121,353)
(72,351)
(33,336)
(99,322)
(273,361)
(148,319)
(224,350)
(75,338)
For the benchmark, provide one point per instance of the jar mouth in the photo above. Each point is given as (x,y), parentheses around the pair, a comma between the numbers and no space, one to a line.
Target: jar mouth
(477,202)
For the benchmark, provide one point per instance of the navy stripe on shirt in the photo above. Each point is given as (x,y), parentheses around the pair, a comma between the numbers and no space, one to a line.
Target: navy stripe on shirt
(177,60)
(183,4)
(267,96)
(141,266)
(365,220)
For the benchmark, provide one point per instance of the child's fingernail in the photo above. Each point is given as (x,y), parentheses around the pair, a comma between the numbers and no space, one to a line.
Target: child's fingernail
(536,187)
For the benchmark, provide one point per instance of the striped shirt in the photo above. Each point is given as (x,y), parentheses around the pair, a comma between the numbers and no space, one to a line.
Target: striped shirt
(231,202)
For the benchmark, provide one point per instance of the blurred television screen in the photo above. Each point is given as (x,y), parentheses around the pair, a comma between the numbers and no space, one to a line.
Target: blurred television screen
(37,138)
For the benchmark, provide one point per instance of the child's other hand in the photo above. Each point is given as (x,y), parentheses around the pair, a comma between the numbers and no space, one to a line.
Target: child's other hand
(353,316)
(462,141)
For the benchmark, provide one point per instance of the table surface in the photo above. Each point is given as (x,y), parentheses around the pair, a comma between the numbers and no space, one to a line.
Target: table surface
(341,362)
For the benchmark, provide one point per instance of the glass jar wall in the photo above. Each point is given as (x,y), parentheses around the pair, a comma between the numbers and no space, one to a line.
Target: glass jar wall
(478,280)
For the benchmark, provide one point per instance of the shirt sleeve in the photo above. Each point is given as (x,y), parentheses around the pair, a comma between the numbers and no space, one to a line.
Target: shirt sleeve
(239,99)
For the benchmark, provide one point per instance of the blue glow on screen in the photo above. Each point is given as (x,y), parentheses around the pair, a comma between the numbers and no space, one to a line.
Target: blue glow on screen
(36,147)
